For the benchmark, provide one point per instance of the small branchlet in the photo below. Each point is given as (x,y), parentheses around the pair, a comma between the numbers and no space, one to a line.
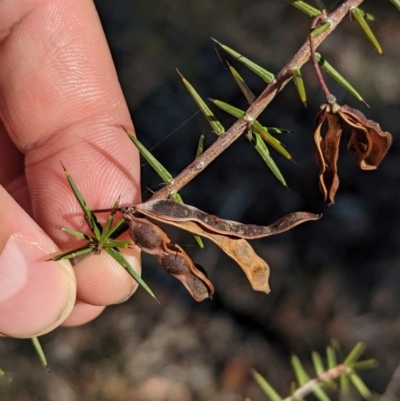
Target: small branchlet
(334,376)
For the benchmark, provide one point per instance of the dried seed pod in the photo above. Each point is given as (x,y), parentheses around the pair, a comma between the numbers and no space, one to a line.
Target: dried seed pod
(169,212)
(174,263)
(146,235)
(180,266)
(171,257)
(197,288)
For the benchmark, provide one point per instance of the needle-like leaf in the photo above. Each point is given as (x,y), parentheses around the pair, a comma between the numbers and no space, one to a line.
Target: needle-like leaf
(249,95)
(265,75)
(305,7)
(266,387)
(298,80)
(114,253)
(39,351)
(396,3)
(208,114)
(358,15)
(338,77)
(90,218)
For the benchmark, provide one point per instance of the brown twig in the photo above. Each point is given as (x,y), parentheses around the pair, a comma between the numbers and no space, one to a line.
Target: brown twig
(256,108)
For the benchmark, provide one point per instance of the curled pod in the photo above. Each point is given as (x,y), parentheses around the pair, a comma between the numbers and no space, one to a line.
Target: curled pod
(179,265)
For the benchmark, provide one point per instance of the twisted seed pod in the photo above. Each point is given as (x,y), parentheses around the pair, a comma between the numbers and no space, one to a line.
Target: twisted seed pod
(171,257)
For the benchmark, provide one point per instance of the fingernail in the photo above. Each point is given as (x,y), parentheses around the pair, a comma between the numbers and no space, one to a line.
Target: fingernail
(35,295)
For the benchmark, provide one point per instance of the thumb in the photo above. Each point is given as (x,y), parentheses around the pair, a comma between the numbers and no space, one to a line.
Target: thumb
(35,295)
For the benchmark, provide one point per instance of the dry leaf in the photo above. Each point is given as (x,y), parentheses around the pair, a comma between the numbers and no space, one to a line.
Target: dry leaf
(368,142)
(328,152)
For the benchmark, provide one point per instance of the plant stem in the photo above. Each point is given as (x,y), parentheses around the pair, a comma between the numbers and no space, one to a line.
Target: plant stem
(256,108)
(311,385)
(321,18)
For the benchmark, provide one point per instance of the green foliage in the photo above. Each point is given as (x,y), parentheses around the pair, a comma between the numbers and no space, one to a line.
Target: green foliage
(103,238)
(343,373)
(39,351)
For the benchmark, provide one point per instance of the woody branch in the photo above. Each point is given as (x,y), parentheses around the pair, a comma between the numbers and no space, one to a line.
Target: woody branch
(257,107)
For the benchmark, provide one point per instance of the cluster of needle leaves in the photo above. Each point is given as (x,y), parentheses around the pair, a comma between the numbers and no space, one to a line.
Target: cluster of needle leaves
(329,375)
(102,237)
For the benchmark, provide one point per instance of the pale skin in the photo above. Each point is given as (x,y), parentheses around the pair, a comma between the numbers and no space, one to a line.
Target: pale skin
(60,100)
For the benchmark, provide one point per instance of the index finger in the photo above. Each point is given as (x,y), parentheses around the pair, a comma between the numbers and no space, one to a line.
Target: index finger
(61,101)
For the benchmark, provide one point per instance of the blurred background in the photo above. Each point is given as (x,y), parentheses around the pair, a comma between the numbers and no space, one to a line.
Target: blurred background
(335,278)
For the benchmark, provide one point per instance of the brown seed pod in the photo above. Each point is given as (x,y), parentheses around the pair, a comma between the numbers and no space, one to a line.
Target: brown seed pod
(146,235)
(171,257)
(181,266)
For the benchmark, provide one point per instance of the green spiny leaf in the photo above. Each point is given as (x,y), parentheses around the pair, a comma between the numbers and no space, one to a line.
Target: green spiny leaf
(355,354)
(263,151)
(117,255)
(90,218)
(75,233)
(277,145)
(344,385)
(360,385)
(176,197)
(301,375)
(265,75)
(266,387)
(362,365)
(331,357)
(115,243)
(298,80)
(233,111)
(319,29)
(306,8)
(200,146)
(396,3)
(208,114)
(338,77)
(367,16)
(274,130)
(114,230)
(84,250)
(318,364)
(358,16)
(107,228)
(157,166)
(39,351)
(256,140)
(250,97)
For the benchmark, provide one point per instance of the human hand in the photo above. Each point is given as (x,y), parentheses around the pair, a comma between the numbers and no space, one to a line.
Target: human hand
(60,100)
